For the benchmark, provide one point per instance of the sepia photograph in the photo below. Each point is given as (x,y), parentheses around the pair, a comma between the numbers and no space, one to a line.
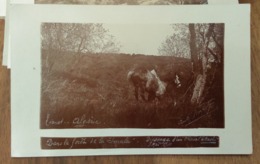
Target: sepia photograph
(122,2)
(98,75)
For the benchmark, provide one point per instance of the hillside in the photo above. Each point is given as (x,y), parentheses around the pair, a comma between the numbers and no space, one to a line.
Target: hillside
(93,88)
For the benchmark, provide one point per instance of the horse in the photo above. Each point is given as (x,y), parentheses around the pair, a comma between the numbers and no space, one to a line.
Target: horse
(147,82)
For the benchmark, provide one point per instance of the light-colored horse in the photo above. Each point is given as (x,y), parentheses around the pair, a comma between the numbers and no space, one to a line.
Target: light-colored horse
(146,81)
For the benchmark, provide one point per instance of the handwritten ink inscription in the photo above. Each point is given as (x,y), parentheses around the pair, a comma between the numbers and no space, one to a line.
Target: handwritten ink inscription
(130,142)
(76,122)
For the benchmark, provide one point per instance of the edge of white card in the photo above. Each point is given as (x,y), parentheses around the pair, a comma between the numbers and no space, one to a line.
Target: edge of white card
(24,93)
(2,8)
(209,1)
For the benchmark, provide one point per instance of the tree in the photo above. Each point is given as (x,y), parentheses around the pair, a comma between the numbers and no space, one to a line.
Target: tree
(203,44)
(193,49)
(78,38)
(211,39)
(177,44)
(75,39)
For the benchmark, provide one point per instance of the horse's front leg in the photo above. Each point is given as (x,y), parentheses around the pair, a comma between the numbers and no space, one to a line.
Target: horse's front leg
(142,93)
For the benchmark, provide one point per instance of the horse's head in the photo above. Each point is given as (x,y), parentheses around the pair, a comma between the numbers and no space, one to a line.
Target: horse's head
(173,79)
(177,81)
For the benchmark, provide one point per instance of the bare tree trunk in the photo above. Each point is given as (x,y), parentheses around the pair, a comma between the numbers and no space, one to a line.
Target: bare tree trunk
(201,76)
(193,49)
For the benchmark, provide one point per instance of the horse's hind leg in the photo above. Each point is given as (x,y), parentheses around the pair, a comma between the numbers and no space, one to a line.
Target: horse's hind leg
(136,93)
(151,96)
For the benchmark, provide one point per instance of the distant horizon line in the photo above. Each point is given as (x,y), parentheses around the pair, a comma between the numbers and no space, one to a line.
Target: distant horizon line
(118,53)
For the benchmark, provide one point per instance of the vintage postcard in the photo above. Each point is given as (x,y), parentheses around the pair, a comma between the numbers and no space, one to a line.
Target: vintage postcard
(103,81)
(6,56)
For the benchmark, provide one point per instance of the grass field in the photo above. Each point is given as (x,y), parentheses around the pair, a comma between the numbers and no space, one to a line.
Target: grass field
(92,91)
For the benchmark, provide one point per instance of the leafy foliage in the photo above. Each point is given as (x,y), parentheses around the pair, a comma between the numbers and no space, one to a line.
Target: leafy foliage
(178,43)
(78,38)
(204,45)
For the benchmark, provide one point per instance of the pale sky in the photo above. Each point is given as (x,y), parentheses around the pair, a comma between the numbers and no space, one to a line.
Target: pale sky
(140,38)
